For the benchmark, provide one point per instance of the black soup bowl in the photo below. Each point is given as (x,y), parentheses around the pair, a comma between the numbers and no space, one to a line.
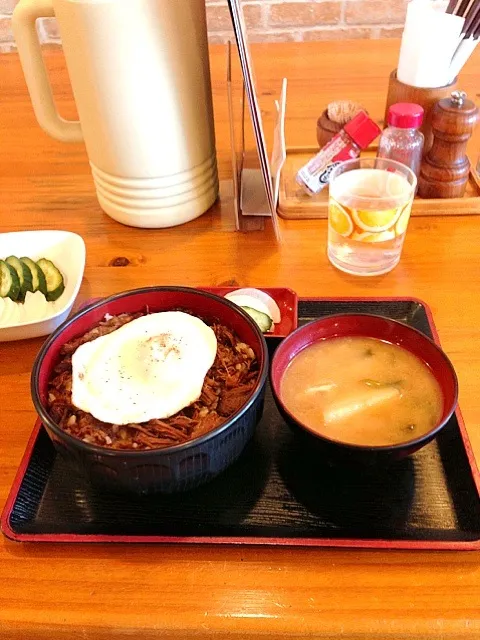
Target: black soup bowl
(175,468)
(371,326)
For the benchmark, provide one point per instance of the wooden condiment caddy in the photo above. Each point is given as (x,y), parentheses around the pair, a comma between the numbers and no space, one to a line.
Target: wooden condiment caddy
(295,204)
(446,167)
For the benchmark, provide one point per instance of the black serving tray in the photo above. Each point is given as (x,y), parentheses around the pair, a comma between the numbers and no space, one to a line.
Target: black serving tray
(277,493)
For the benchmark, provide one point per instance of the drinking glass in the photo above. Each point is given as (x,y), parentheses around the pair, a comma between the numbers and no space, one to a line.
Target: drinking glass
(369,209)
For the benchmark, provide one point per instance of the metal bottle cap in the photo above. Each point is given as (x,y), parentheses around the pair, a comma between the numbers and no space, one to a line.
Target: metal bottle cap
(458,98)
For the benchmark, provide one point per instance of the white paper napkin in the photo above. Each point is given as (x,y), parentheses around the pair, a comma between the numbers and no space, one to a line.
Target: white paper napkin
(429,41)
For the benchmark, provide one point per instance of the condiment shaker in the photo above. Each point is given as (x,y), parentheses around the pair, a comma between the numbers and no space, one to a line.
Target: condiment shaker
(356,135)
(401,140)
(445,169)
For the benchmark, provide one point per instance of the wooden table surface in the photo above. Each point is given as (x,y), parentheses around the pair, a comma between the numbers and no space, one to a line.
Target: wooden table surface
(113,591)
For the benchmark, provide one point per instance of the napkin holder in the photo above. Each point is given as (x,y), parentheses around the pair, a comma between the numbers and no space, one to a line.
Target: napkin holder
(251,200)
(426,98)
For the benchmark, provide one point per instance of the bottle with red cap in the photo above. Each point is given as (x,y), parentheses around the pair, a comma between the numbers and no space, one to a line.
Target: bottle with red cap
(401,140)
(356,135)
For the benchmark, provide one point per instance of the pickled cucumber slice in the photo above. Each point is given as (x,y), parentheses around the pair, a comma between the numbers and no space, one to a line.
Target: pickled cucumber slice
(264,322)
(9,282)
(54,279)
(24,275)
(38,277)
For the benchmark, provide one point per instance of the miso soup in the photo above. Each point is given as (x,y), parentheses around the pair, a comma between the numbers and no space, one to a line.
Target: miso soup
(362,391)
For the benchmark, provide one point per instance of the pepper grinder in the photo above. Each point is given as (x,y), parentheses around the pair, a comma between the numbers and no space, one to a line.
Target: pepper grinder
(445,169)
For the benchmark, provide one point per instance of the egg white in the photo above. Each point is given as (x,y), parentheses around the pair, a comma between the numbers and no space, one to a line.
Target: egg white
(150,368)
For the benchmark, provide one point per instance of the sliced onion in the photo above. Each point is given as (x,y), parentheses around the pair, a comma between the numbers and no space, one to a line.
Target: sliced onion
(11,314)
(267,301)
(36,306)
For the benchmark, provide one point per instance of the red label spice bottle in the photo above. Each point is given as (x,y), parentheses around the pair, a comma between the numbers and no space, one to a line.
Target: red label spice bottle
(357,135)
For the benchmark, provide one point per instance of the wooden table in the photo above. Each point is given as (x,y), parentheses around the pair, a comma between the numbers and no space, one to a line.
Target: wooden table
(98,592)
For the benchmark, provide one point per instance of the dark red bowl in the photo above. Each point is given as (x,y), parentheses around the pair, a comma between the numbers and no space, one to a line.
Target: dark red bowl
(373,327)
(175,468)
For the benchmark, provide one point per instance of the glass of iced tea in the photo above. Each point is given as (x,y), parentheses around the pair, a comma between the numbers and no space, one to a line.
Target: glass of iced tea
(368,214)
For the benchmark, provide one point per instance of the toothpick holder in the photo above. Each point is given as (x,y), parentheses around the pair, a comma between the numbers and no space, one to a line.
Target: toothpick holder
(427,98)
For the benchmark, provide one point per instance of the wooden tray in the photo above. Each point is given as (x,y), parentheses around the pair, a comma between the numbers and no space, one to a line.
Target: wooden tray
(295,204)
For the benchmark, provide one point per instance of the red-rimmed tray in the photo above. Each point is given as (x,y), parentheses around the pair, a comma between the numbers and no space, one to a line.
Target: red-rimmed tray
(276,493)
(286,299)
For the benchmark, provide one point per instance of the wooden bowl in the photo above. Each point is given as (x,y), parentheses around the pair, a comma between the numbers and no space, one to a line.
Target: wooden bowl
(326,129)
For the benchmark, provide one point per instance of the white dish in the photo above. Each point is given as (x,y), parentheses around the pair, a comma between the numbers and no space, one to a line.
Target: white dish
(67,251)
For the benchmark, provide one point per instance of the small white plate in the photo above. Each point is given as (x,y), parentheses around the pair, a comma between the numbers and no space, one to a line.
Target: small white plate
(67,251)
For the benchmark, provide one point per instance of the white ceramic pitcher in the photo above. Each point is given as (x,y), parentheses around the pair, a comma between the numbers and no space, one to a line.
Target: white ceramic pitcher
(141,79)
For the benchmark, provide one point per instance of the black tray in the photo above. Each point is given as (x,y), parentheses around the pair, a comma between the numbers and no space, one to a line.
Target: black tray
(275,494)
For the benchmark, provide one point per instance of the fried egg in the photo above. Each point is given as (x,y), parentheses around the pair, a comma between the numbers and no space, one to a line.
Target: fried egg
(151,367)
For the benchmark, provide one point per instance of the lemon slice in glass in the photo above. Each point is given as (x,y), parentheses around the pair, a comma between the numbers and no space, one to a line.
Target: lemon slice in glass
(366,236)
(375,221)
(402,222)
(339,219)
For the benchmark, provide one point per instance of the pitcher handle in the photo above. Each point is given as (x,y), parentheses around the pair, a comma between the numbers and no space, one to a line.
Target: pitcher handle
(23,23)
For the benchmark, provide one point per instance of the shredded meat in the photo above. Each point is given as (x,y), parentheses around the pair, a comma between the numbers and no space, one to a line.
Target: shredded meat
(227,386)
(104,327)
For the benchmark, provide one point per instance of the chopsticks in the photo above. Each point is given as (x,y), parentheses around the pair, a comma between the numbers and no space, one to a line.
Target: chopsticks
(469,10)
(457,7)
(434,57)
(460,7)
(472,23)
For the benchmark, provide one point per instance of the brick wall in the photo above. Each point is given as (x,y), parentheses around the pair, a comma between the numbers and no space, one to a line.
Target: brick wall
(273,20)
